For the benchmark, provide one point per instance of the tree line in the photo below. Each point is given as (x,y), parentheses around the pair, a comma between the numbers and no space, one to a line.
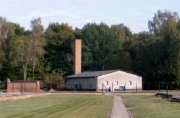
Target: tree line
(47,54)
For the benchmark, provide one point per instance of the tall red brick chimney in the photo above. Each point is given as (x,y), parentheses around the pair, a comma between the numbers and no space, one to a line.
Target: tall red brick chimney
(77,56)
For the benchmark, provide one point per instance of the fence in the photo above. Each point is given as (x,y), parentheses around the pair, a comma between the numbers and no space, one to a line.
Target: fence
(164,87)
(161,85)
(34,86)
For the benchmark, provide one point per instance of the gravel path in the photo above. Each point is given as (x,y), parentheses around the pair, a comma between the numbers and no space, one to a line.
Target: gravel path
(119,110)
(15,96)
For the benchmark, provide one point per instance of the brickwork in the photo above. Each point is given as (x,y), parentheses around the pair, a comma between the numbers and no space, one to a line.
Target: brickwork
(77,56)
(23,86)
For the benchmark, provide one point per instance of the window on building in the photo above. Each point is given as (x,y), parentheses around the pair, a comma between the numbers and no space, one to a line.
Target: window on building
(106,82)
(116,82)
(130,82)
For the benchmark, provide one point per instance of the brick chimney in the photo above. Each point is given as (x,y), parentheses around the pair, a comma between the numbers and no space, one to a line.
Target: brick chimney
(77,56)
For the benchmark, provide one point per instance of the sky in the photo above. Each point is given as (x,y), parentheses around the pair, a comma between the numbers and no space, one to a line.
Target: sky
(135,14)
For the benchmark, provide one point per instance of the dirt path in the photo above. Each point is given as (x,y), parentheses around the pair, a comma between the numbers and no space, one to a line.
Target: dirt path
(119,110)
(15,97)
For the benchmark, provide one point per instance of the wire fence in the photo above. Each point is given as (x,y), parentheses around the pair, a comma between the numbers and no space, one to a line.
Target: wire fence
(161,85)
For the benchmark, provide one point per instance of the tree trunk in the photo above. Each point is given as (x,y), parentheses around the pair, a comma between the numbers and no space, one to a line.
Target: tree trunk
(33,67)
(25,69)
(25,73)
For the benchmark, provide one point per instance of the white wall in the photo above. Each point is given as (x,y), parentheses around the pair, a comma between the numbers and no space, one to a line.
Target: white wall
(123,79)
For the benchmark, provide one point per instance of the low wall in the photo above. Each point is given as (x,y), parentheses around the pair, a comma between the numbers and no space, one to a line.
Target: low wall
(23,86)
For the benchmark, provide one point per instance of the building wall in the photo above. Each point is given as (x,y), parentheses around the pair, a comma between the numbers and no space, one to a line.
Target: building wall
(117,79)
(81,83)
(23,86)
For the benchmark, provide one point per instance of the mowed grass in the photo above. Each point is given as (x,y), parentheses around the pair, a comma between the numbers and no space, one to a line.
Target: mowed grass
(58,106)
(151,107)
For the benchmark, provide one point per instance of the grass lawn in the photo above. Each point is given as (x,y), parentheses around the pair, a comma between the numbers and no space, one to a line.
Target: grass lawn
(58,106)
(151,107)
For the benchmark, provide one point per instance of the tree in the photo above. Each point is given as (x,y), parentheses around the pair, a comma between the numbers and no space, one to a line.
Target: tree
(23,53)
(9,32)
(122,32)
(60,39)
(55,77)
(157,57)
(3,35)
(99,45)
(160,19)
(122,60)
(38,42)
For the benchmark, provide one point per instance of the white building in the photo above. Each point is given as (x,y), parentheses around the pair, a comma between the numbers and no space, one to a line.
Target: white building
(113,80)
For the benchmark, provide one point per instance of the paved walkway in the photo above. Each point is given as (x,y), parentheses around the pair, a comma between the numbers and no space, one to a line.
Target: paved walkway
(119,110)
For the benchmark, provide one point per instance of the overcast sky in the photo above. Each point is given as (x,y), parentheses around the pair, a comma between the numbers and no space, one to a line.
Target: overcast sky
(133,13)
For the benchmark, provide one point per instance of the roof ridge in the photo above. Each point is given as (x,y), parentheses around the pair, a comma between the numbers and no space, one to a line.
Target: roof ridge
(90,74)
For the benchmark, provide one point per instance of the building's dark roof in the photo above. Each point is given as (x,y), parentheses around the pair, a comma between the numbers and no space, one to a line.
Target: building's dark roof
(90,74)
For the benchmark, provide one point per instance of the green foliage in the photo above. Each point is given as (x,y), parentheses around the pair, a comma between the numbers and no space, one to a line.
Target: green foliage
(38,43)
(59,48)
(157,59)
(122,60)
(8,48)
(54,76)
(122,32)
(160,20)
(99,45)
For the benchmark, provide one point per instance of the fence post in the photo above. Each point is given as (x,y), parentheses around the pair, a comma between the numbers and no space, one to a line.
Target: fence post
(167,88)
(12,86)
(148,85)
(171,86)
(37,86)
(21,87)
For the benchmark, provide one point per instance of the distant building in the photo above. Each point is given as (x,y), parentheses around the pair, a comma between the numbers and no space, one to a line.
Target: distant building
(111,80)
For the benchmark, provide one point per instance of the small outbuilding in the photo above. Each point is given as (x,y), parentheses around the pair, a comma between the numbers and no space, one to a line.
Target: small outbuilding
(113,80)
